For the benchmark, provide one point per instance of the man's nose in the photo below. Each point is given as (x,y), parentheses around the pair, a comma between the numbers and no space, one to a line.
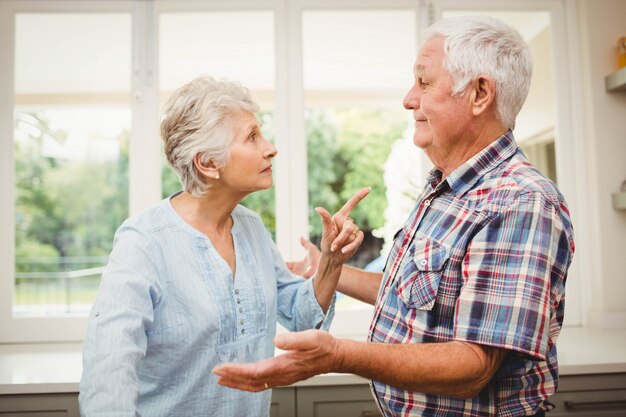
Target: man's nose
(411,99)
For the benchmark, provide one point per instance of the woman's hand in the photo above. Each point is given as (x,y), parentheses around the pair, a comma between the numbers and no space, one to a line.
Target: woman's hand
(341,237)
(344,233)
(340,240)
(307,266)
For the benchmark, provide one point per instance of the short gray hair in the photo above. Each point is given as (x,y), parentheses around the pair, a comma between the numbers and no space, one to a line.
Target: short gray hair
(477,45)
(197,120)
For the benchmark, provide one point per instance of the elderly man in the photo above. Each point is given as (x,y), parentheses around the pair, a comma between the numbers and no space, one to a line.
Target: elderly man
(469,308)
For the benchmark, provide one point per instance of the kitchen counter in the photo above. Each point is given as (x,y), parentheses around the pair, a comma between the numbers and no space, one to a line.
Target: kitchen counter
(56,368)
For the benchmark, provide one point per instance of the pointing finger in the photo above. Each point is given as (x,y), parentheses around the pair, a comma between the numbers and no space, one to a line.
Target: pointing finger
(353,201)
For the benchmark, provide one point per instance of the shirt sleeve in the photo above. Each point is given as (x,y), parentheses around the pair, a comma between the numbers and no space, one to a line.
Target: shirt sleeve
(116,340)
(511,278)
(298,308)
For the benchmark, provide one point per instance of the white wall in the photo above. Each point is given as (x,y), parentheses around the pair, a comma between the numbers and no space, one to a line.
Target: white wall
(600,24)
(537,115)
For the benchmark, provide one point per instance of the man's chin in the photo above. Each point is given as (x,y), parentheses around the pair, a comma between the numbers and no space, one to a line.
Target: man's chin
(422,142)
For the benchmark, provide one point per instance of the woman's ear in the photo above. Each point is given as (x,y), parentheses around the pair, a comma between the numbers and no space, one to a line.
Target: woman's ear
(206,168)
(483,94)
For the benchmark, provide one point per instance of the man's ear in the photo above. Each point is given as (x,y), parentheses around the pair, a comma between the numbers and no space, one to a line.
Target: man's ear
(206,168)
(483,94)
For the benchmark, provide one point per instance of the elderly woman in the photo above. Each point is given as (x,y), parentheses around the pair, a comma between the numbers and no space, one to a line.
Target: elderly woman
(196,280)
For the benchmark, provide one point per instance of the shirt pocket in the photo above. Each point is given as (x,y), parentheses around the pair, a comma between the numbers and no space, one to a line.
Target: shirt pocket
(421,275)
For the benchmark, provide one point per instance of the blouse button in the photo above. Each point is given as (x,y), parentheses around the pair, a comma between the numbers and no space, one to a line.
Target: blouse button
(243,331)
(238,301)
(423,262)
(236,291)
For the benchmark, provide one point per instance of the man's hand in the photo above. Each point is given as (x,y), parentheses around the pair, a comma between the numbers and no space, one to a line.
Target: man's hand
(308,353)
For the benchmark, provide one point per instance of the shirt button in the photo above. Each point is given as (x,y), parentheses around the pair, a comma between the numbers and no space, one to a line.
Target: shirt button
(423,262)
(238,301)
(240,310)
(243,331)
(241,322)
(427,203)
(236,291)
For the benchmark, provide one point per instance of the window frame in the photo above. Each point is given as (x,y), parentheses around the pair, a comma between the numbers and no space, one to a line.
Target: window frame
(291,172)
(569,131)
(37,329)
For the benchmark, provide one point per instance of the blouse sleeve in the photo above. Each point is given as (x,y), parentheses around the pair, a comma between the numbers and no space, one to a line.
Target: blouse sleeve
(116,335)
(298,308)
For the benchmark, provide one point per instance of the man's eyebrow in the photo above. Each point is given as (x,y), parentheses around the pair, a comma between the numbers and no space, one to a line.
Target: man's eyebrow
(418,70)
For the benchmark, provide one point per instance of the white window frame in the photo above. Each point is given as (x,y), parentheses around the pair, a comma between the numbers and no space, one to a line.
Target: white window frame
(24,330)
(291,172)
(571,163)
(347,323)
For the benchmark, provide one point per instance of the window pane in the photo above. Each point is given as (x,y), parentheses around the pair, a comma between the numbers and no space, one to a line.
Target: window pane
(355,80)
(72,123)
(207,43)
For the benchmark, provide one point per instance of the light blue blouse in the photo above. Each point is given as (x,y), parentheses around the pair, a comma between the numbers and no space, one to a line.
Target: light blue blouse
(168,310)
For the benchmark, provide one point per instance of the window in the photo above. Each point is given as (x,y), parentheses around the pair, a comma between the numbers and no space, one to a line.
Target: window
(354,83)
(71,159)
(193,44)
(541,117)
(81,86)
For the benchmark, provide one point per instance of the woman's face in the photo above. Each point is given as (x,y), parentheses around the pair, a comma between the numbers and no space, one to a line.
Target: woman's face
(249,166)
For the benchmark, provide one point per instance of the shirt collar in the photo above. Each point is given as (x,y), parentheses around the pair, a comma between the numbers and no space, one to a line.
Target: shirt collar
(477,166)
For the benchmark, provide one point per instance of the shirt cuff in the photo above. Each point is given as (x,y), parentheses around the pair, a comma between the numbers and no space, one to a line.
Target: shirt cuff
(321,321)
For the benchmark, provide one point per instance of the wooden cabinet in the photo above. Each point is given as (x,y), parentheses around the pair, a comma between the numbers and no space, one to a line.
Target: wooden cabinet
(343,400)
(39,405)
(597,395)
(283,402)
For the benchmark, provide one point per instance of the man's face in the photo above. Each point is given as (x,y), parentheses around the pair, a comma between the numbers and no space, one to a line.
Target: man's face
(439,117)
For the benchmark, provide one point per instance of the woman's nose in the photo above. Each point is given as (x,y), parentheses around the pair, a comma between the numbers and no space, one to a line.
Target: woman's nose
(271,150)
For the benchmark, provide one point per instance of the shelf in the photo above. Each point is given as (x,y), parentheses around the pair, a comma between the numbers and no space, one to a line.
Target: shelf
(616,81)
(619,201)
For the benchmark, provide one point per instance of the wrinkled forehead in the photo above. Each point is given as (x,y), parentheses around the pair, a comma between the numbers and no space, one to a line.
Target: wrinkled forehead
(431,55)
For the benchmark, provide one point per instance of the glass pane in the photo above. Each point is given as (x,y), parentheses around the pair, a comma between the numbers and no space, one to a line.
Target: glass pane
(207,43)
(71,156)
(355,80)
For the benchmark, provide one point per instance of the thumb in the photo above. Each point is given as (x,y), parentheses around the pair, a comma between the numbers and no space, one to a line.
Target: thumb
(305,243)
(296,340)
(327,221)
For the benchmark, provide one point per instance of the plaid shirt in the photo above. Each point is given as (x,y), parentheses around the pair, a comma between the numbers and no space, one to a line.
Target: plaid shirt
(483,258)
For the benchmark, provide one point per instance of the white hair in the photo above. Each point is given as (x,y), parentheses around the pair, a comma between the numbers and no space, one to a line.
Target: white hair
(476,45)
(197,120)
